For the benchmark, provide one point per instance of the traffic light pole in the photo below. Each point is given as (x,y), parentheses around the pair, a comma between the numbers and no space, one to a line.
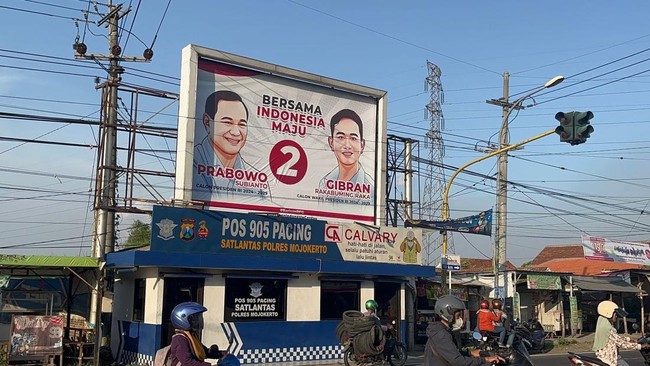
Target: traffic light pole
(502,177)
(445,198)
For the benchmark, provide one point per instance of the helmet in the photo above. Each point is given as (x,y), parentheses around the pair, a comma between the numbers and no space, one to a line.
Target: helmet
(496,304)
(372,305)
(609,308)
(183,312)
(447,305)
(485,304)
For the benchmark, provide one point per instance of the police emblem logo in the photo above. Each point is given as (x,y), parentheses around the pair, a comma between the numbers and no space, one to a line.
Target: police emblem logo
(187,229)
(256,289)
(203,231)
(166,229)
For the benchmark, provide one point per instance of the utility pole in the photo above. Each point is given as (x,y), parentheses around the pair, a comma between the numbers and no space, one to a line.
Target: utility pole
(502,177)
(502,187)
(105,180)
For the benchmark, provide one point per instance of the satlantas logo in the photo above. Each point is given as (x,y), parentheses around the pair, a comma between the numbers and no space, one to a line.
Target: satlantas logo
(166,229)
(256,289)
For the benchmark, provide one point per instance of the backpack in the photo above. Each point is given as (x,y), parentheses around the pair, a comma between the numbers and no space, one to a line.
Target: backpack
(163,356)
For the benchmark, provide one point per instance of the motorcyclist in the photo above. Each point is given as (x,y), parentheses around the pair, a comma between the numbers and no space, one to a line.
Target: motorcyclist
(486,319)
(606,339)
(497,309)
(371,311)
(186,348)
(441,350)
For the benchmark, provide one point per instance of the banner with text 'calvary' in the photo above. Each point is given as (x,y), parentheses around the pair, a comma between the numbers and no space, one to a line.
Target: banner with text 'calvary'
(183,230)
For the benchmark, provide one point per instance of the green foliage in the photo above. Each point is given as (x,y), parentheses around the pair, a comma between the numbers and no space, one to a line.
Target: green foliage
(139,234)
(566,341)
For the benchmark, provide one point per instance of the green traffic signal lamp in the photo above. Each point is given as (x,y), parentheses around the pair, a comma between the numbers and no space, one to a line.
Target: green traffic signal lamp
(566,128)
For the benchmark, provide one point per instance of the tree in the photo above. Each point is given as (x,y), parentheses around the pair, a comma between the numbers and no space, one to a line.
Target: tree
(139,234)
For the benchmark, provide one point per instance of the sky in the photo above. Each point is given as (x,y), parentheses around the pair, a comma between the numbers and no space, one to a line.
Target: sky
(558,191)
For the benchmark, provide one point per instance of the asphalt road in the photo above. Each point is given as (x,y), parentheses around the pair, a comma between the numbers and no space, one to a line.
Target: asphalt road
(634,358)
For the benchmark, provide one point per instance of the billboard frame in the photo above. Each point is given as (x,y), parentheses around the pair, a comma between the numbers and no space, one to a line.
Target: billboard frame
(187,112)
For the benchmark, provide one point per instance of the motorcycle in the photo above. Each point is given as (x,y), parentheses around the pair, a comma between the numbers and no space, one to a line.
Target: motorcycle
(584,360)
(514,354)
(533,332)
(393,351)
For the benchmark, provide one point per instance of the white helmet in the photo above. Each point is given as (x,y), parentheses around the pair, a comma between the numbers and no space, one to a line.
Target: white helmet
(608,308)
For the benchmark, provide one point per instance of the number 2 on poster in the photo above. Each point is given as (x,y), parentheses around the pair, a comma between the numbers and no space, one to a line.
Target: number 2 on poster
(288,162)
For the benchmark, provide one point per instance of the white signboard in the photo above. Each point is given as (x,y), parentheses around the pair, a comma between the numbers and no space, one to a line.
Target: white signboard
(263,141)
(604,249)
(376,244)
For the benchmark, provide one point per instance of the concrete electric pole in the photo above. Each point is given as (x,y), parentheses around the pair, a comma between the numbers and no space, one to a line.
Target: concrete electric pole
(502,177)
(105,180)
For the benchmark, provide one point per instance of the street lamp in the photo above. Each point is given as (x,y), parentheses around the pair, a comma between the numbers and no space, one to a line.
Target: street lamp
(502,177)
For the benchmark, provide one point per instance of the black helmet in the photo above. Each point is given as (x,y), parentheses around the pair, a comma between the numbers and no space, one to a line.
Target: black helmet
(183,312)
(447,305)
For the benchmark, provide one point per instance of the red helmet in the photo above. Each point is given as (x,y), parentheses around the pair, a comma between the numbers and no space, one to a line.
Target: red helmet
(485,304)
(496,304)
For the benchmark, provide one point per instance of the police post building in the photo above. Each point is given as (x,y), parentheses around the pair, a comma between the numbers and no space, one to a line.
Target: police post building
(269,231)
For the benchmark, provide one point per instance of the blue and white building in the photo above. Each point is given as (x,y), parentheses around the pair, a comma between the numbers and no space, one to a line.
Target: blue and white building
(275,287)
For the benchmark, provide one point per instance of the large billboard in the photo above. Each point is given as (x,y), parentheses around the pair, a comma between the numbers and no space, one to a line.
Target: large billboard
(257,137)
(182,230)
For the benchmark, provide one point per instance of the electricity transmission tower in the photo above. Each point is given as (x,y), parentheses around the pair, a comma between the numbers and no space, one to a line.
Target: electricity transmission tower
(434,184)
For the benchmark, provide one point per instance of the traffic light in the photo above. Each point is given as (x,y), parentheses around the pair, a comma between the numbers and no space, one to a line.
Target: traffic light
(566,128)
(574,126)
(581,128)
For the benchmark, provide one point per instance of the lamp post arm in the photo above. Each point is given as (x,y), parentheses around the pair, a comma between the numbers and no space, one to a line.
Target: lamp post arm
(445,199)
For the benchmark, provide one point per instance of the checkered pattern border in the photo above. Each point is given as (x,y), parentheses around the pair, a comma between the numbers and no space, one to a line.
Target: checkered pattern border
(291,354)
(286,355)
(133,358)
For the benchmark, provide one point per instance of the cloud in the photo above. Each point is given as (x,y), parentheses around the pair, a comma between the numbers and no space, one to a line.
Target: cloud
(7,81)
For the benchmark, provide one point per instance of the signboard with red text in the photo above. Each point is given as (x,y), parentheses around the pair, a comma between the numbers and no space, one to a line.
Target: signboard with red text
(254,236)
(257,137)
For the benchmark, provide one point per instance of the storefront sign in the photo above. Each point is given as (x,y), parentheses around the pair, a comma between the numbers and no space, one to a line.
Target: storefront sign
(516,304)
(573,307)
(255,299)
(206,231)
(543,282)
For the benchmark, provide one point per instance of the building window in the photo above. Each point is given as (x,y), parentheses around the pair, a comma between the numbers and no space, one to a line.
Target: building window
(254,299)
(138,300)
(337,297)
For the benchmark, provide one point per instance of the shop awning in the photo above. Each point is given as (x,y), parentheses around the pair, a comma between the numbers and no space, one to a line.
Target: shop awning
(606,284)
(138,258)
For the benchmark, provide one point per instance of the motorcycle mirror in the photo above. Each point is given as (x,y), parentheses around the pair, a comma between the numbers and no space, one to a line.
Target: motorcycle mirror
(476,335)
(635,326)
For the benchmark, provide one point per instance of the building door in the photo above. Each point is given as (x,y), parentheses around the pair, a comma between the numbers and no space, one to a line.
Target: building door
(387,295)
(178,290)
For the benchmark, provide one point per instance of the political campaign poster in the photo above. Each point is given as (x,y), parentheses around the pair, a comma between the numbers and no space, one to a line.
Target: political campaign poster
(264,141)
